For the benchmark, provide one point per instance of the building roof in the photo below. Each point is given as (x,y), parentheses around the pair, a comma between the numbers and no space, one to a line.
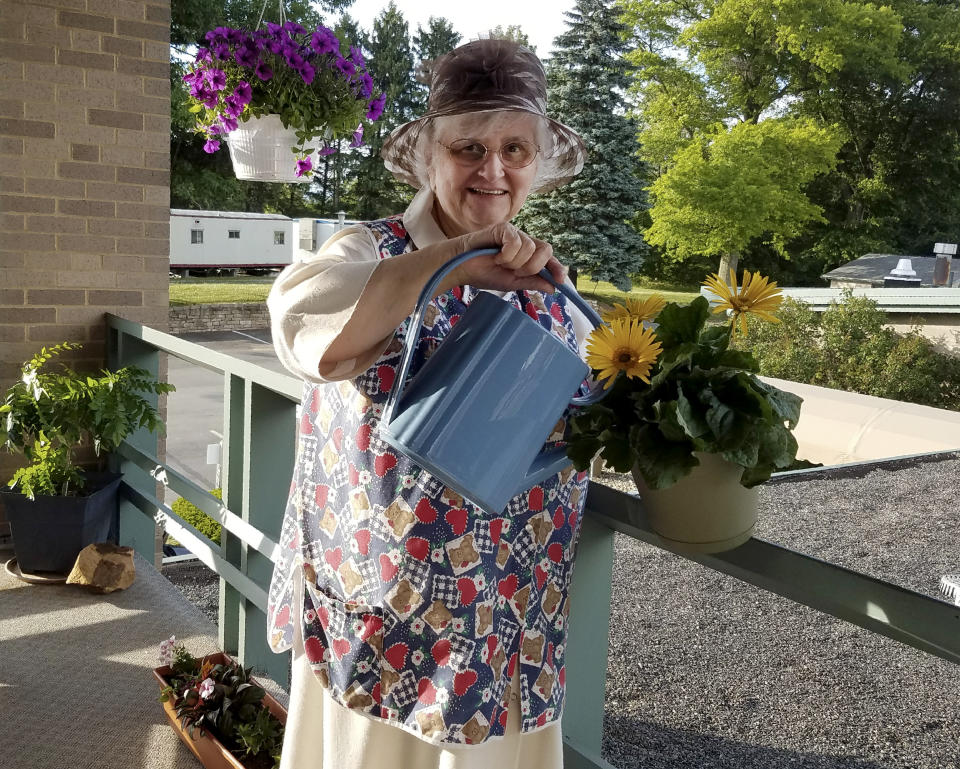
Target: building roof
(224,214)
(870,269)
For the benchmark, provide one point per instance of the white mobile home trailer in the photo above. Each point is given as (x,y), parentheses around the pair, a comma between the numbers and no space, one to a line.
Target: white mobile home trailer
(230,240)
(315,232)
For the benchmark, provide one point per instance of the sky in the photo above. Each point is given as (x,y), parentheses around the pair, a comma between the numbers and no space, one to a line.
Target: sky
(541,20)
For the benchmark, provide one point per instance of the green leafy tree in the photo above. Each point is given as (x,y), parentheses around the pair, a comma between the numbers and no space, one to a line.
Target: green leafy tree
(377,193)
(883,78)
(725,188)
(897,185)
(587,220)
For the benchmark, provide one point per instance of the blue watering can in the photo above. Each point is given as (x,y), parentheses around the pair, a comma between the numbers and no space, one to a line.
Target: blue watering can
(478,412)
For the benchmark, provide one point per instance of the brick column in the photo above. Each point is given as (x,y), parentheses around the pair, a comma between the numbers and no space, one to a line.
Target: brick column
(84,173)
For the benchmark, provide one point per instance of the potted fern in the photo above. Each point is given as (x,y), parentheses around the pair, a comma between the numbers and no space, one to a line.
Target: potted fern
(56,503)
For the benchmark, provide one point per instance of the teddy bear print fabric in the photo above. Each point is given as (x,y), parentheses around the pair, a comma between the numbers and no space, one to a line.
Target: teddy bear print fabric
(418,606)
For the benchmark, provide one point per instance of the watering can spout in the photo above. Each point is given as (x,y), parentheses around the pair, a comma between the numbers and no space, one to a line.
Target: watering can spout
(545,464)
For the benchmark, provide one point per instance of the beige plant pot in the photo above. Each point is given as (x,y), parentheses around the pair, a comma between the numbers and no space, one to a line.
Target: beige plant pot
(707,511)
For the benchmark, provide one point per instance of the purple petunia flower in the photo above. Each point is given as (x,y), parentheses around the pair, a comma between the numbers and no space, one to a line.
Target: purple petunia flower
(263,71)
(356,55)
(274,28)
(216,79)
(211,146)
(376,107)
(221,50)
(307,72)
(233,106)
(357,137)
(327,150)
(294,59)
(293,28)
(323,41)
(304,166)
(243,92)
(211,99)
(204,54)
(228,124)
(366,85)
(345,66)
(247,55)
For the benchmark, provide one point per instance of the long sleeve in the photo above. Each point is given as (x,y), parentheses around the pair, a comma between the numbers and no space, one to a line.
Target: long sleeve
(311,301)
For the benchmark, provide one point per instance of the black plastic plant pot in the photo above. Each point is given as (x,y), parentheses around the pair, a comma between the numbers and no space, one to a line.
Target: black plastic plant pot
(49,532)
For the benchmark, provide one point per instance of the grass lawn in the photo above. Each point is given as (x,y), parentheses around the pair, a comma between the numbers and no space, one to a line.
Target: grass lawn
(219,290)
(246,288)
(607,293)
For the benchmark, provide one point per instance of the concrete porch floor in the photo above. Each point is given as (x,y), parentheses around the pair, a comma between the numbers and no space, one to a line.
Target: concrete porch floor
(76,682)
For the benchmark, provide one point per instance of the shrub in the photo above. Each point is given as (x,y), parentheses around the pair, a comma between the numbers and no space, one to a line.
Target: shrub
(847,347)
(197,518)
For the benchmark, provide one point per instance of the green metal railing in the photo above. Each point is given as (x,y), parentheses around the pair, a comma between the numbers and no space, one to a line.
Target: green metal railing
(259,434)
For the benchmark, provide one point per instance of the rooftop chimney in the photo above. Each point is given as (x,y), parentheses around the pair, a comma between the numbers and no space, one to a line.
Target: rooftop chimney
(944,252)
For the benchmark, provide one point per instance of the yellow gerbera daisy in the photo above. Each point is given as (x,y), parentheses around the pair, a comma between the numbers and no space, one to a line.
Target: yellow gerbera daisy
(622,346)
(757,296)
(636,309)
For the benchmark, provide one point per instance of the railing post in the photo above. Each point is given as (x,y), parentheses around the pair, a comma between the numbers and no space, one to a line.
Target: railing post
(231,479)
(587,642)
(132,527)
(260,447)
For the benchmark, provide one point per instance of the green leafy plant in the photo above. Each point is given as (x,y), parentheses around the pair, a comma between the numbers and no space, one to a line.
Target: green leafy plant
(685,389)
(848,347)
(197,518)
(223,699)
(49,416)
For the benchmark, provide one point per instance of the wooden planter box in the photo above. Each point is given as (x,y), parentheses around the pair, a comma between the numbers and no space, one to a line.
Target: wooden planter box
(208,749)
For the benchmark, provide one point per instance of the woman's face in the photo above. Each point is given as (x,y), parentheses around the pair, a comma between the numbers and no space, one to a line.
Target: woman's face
(487,192)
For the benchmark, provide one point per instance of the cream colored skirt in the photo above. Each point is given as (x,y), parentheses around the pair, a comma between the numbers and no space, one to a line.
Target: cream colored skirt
(322,734)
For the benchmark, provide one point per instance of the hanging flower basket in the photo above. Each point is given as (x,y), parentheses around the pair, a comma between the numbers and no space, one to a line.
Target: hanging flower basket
(260,151)
(307,80)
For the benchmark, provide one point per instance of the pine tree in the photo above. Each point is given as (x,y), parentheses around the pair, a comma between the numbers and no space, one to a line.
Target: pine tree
(429,45)
(587,220)
(391,65)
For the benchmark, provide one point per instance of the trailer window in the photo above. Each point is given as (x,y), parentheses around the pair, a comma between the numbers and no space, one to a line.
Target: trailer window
(278,237)
(196,237)
(233,234)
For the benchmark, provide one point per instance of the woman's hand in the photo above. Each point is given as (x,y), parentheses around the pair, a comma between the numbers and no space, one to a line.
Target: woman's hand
(514,268)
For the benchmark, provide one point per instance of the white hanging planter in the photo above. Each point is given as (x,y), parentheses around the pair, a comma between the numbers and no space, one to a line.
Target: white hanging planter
(260,151)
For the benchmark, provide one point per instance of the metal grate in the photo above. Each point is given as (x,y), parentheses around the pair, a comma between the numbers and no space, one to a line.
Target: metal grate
(950,587)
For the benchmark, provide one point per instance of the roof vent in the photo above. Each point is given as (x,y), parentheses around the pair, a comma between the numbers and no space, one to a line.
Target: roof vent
(950,587)
(904,269)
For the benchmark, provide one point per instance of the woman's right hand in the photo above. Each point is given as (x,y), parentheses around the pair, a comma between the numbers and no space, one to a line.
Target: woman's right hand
(514,268)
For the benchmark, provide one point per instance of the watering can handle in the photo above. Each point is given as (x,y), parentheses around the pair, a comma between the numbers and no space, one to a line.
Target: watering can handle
(413,330)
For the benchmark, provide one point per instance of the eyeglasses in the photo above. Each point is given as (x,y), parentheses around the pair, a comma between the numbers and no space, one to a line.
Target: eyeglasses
(513,154)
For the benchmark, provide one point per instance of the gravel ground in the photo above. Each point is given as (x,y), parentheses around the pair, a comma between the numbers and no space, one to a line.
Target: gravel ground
(706,672)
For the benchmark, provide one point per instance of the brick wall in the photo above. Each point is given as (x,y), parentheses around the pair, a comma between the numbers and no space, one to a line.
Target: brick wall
(84,173)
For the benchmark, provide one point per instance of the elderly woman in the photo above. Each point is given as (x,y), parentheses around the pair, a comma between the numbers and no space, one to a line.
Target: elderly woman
(426,631)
